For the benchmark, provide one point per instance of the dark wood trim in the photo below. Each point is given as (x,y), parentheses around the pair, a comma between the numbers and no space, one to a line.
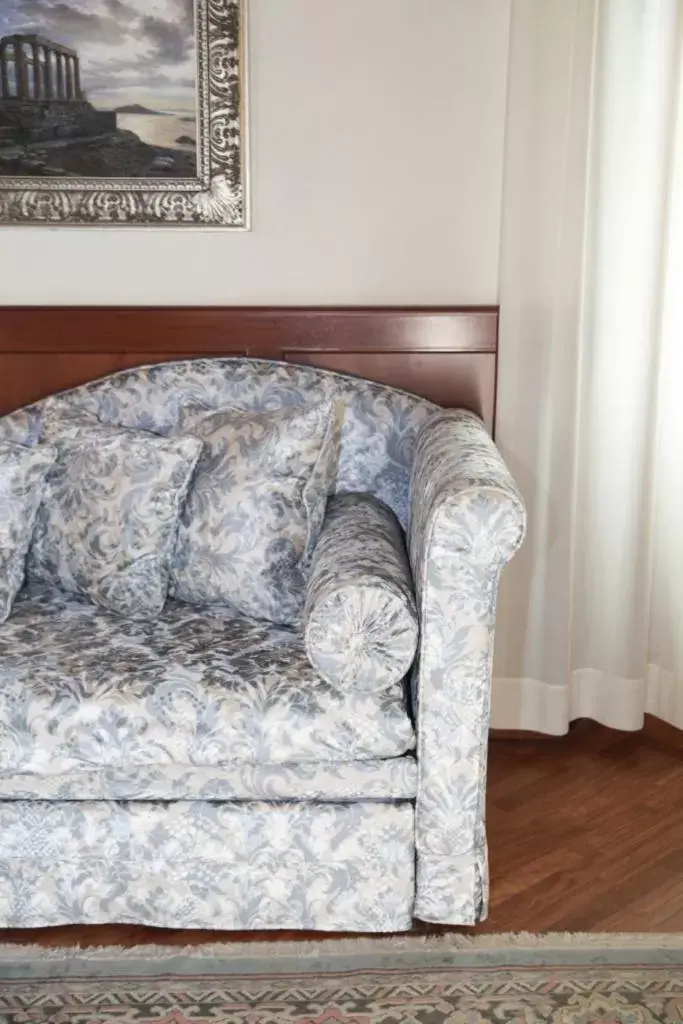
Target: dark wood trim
(259,329)
(446,354)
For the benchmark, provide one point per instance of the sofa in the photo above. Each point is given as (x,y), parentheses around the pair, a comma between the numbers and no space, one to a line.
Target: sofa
(202,768)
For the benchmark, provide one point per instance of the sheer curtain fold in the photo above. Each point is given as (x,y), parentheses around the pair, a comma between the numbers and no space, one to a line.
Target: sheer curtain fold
(590,349)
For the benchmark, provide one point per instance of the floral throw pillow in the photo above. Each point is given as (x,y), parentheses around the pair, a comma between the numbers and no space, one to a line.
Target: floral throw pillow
(22,484)
(256,507)
(108,525)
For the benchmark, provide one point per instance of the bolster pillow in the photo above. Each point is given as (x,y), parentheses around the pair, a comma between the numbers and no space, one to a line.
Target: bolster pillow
(360,619)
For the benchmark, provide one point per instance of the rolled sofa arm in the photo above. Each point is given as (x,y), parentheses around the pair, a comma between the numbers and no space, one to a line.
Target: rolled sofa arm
(467,521)
(360,619)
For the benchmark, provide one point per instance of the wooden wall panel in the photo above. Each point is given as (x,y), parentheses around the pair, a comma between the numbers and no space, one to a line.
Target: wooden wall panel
(445,354)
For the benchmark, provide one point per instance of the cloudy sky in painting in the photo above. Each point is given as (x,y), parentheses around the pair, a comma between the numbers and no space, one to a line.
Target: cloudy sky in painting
(131,51)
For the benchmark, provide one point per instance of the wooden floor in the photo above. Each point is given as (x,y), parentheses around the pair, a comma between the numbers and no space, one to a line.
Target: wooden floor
(585,834)
(586,831)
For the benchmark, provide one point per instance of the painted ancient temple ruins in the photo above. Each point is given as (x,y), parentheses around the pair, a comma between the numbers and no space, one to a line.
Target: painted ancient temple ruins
(41,97)
(34,68)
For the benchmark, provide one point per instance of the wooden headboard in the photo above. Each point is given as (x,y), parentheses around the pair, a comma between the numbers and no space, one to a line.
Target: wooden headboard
(445,354)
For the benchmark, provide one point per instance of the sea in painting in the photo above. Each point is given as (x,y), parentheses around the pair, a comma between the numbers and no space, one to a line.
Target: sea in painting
(98,88)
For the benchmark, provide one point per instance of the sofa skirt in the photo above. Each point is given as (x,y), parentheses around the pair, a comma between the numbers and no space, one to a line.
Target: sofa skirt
(198,864)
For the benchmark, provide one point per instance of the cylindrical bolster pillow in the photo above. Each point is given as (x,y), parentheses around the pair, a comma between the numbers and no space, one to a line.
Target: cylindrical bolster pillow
(360,620)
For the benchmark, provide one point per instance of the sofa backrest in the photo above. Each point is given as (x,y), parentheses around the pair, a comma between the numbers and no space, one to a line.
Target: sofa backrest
(380,423)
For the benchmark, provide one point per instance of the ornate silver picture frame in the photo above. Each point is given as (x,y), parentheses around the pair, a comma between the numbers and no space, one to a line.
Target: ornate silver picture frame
(123,112)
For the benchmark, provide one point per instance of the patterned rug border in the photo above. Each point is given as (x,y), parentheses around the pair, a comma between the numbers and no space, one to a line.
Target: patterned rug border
(346,956)
(453,942)
(555,978)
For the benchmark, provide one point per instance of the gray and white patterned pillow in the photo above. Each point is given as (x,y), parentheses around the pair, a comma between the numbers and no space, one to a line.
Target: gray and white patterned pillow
(256,506)
(109,520)
(361,622)
(22,484)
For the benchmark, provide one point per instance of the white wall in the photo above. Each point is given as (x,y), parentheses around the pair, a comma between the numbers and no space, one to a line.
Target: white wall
(377,130)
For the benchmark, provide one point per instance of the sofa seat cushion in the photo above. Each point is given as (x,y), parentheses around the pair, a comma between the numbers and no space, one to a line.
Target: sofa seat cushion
(201,686)
(394,778)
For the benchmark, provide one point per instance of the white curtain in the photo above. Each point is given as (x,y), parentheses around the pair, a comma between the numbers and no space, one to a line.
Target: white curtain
(590,399)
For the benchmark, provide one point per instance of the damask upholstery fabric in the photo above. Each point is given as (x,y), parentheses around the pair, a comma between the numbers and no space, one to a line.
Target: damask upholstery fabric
(108,525)
(394,778)
(361,625)
(191,864)
(23,426)
(256,506)
(22,484)
(467,521)
(378,433)
(294,737)
(82,689)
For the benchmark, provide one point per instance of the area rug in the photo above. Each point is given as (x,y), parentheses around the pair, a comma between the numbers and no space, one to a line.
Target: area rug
(497,979)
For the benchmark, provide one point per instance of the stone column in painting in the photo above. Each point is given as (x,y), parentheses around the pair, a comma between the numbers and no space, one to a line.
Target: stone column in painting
(49,77)
(61,91)
(77,78)
(37,79)
(4,69)
(22,72)
(68,78)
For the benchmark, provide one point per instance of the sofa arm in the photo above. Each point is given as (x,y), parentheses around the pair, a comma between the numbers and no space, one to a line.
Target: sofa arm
(360,619)
(467,521)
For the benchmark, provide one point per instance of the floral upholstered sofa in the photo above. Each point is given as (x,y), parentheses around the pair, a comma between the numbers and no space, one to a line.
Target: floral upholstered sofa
(315,760)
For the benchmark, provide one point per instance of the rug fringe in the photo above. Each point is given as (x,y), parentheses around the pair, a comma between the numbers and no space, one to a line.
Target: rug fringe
(395,944)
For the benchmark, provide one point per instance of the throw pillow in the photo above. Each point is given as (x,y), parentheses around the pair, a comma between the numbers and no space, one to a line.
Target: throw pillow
(109,521)
(22,483)
(256,507)
(361,623)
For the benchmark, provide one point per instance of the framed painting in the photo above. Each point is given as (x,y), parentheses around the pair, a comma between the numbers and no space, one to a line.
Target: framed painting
(123,112)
